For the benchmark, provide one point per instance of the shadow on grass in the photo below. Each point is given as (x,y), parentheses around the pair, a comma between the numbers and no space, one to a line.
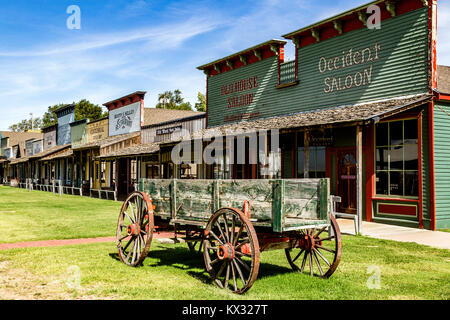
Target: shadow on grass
(182,258)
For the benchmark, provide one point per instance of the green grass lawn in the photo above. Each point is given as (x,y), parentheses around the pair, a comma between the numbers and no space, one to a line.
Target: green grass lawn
(407,270)
(39,215)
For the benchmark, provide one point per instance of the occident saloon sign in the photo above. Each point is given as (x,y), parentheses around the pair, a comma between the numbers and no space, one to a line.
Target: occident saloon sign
(365,57)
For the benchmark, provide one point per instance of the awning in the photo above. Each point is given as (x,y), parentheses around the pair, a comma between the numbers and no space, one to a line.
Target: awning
(107,141)
(363,113)
(48,152)
(141,149)
(60,155)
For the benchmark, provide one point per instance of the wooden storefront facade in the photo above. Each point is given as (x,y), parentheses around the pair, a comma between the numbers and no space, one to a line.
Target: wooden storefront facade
(357,105)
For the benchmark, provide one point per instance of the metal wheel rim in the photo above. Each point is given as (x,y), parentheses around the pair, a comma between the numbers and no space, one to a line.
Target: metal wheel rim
(240,272)
(318,261)
(136,210)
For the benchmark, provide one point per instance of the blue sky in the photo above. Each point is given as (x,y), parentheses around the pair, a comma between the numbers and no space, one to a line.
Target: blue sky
(125,46)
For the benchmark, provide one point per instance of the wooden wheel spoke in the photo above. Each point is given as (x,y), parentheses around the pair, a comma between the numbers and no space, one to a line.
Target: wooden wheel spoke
(235,240)
(246,240)
(326,249)
(234,277)
(318,263)
(243,263)
(227,231)
(227,277)
(128,217)
(124,237)
(310,264)
(323,258)
(221,232)
(304,261)
(215,261)
(239,272)
(318,233)
(222,267)
(129,242)
(215,236)
(297,256)
(233,223)
(325,239)
(242,254)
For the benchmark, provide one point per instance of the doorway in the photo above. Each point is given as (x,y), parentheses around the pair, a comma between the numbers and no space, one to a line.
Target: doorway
(346,180)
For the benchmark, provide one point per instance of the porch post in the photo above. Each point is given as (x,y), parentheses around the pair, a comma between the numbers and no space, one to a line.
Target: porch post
(359,182)
(306,142)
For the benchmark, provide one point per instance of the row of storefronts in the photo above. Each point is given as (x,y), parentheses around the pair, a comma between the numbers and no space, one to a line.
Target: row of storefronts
(367,108)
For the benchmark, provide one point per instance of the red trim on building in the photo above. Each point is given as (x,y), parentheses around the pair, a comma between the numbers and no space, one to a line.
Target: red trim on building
(351,22)
(397,209)
(443,97)
(370,171)
(419,124)
(432,174)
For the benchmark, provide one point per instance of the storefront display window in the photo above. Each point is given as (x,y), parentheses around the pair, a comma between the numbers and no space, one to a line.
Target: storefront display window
(396,154)
(317,162)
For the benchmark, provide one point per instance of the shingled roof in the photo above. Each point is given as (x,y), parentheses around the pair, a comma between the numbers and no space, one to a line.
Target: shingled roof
(107,141)
(49,151)
(19,137)
(132,151)
(156,115)
(443,81)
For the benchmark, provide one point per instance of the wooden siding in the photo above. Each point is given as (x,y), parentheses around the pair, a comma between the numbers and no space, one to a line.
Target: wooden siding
(425,170)
(149,134)
(442,163)
(401,69)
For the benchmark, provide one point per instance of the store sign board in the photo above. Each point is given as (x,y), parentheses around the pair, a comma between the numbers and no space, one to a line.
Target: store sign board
(37,146)
(97,130)
(64,128)
(125,119)
(49,139)
(168,130)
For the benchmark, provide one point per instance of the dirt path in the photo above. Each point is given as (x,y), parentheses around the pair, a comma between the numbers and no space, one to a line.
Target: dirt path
(55,243)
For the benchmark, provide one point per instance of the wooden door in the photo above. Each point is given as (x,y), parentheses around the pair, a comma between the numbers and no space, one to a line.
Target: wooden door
(346,180)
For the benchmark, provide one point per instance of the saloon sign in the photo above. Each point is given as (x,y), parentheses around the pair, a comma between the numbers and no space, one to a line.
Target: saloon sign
(365,57)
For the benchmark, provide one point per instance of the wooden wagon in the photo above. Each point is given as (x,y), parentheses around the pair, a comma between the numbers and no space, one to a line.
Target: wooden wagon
(232,221)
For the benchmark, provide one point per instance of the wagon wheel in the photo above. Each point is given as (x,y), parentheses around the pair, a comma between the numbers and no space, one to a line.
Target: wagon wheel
(135,228)
(316,251)
(231,250)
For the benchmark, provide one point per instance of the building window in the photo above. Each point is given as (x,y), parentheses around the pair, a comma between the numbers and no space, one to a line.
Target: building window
(133,173)
(397,158)
(317,166)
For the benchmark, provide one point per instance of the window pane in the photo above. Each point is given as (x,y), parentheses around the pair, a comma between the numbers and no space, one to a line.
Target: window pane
(411,183)
(396,158)
(382,134)
(411,135)
(300,162)
(312,159)
(321,159)
(396,183)
(382,183)
(382,158)
(411,157)
(396,132)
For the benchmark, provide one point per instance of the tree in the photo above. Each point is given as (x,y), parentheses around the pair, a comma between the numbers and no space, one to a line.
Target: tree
(25,125)
(201,102)
(50,117)
(172,100)
(87,110)
(83,110)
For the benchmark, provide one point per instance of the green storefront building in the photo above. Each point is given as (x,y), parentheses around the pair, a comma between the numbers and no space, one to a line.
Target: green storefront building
(364,106)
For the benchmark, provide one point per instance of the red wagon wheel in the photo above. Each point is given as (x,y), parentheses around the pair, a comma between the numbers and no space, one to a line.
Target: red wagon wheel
(231,250)
(135,228)
(317,251)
